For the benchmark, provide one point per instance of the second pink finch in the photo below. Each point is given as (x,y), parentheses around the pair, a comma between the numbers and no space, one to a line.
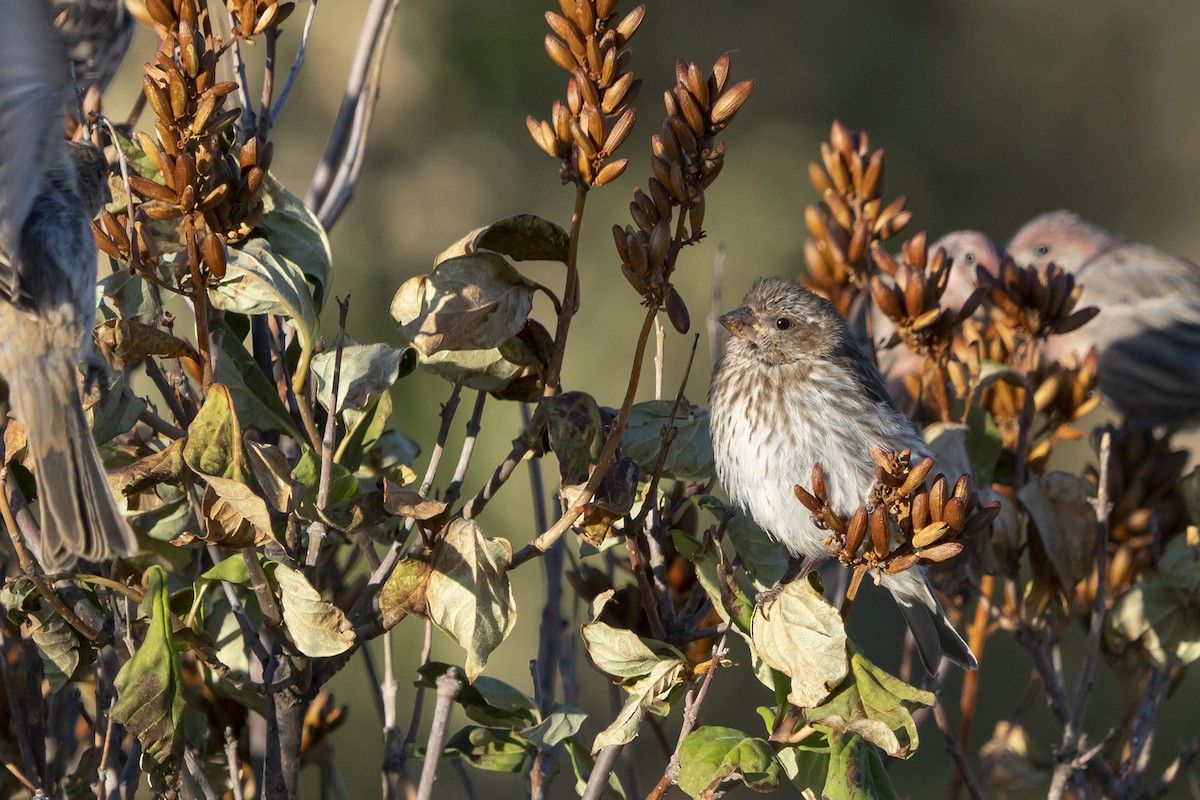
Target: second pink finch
(1147,334)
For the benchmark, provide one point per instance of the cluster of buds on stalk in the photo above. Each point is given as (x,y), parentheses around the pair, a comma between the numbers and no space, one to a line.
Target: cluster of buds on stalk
(850,219)
(1148,509)
(903,523)
(1029,304)
(686,159)
(589,42)
(193,176)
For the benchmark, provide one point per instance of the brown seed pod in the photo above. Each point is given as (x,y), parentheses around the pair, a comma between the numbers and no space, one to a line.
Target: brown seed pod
(880,536)
(856,531)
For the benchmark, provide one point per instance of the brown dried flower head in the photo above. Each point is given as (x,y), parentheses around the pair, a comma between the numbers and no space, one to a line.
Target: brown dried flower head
(850,219)
(903,524)
(686,159)
(588,41)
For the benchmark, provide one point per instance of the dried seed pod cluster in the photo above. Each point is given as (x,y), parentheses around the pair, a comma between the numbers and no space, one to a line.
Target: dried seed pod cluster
(685,160)
(589,41)
(194,176)
(912,298)
(903,524)
(1144,476)
(252,17)
(850,218)
(1065,394)
(1029,303)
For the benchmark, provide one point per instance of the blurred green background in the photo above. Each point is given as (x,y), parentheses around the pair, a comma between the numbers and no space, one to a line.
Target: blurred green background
(990,112)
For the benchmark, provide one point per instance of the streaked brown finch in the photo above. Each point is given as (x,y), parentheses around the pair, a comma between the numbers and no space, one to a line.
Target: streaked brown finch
(793,389)
(49,191)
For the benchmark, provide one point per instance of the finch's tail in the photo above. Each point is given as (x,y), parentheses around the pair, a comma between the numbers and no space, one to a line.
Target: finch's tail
(79,514)
(931,628)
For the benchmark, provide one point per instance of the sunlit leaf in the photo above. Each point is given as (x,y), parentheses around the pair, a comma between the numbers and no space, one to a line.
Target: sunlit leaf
(214,443)
(712,755)
(318,628)
(691,453)
(261,281)
(404,591)
(367,369)
(874,705)
(801,635)
(525,237)
(470,302)
(469,595)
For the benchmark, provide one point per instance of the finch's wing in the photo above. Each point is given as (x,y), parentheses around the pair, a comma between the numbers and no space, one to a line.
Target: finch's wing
(33,91)
(866,374)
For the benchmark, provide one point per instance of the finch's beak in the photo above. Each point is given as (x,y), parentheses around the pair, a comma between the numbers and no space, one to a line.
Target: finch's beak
(742,322)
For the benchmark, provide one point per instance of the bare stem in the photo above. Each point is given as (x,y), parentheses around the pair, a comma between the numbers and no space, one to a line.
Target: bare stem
(690,716)
(956,752)
(539,545)
(317,530)
(448,686)
(334,179)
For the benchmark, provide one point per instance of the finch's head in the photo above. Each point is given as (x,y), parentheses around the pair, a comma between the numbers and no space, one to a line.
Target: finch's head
(968,250)
(780,322)
(1059,237)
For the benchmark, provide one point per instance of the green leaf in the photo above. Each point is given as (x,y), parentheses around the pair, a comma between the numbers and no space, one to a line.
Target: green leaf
(620,652)
(122,295)
(255,397)
(214,443)
(404,591)
(364,429)
(488,749)
(691,455)
(367,369)
(856,772)
(469,595)
(149,686)
(58,646)
(711,756)
(232,569)
(525,237)
(296,234)
(562,722)
(343,486)
(1158,612)
(763,557)
(874,705)
(576,433)
(488,701)
(984,445)
(116,413)
(260,281)
(651,694)
(317,627)
(801,635)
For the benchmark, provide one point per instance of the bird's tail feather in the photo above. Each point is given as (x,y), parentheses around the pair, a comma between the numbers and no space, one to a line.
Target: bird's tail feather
(934,635)
(79,515)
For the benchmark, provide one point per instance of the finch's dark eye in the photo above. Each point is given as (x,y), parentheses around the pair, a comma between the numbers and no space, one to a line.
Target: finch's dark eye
(1042,249)
(969,258)
(783,323)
